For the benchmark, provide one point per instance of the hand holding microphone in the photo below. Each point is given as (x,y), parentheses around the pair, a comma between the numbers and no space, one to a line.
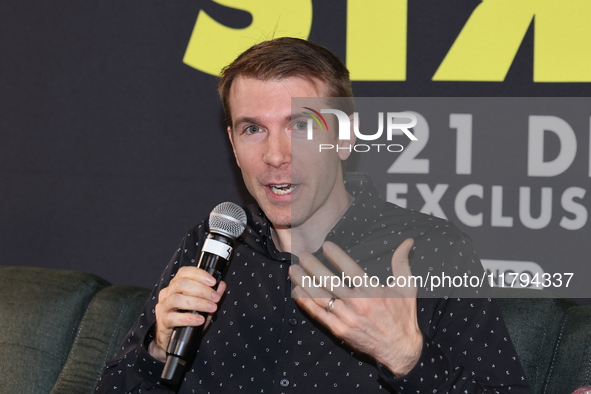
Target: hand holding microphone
(196,290)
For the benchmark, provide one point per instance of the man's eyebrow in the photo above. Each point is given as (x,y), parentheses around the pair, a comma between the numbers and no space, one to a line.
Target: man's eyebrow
(258,121)
(246,119)
(297,115)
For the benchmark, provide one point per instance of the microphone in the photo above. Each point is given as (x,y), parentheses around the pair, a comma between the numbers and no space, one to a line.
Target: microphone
(226,222)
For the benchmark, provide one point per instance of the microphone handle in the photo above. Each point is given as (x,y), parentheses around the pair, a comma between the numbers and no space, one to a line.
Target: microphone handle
(184,341)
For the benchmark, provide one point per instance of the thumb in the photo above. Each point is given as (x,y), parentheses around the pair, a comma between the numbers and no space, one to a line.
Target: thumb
(401,269)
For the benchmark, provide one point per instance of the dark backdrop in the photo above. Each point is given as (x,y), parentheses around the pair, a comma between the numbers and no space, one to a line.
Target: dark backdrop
(112,146)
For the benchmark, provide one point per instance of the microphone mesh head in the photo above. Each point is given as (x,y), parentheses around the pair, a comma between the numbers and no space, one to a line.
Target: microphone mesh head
(227,219)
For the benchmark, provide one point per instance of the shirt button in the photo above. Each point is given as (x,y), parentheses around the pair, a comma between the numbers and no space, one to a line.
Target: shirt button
(293,321)
(284,383)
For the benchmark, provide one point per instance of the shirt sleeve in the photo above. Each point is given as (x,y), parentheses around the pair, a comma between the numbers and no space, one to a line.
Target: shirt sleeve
(133,369)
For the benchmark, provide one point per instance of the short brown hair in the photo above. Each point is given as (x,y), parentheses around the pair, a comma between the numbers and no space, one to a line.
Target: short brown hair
(287,57)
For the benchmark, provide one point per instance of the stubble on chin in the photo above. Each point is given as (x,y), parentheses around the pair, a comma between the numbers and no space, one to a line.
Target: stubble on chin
(280,222)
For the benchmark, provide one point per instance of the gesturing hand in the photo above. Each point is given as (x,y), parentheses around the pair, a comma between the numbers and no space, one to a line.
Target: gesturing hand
(378,321)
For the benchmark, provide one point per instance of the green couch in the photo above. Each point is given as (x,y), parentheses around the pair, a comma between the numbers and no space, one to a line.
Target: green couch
(57,329)
(552,337)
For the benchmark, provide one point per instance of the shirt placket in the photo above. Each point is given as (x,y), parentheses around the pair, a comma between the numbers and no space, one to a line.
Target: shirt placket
(285,381)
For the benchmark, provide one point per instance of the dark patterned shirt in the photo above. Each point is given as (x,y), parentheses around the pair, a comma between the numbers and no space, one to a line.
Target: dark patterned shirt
(262,342)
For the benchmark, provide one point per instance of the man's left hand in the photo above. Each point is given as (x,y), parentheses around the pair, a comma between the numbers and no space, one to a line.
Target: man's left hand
(378,321)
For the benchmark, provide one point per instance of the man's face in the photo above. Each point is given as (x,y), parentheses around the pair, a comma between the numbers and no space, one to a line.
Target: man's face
(291,181)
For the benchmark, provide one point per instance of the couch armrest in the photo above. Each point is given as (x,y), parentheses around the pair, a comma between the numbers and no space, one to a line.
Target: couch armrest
(570,366)
(552,337)
(40,311)
(109,316)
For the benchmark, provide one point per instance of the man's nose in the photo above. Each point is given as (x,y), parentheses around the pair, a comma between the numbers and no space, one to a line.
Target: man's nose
(278,149)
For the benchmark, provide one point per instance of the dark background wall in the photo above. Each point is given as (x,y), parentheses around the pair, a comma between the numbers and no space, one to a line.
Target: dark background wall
(112,146)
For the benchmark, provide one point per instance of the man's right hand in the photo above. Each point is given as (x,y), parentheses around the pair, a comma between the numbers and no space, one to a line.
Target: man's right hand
(190,290)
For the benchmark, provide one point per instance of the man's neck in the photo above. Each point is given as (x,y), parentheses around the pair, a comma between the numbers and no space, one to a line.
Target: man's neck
(309,236)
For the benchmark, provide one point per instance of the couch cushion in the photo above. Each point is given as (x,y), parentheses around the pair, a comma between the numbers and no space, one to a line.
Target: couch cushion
(40,310)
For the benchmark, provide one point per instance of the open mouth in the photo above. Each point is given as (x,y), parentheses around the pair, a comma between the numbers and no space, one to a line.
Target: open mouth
(283,189)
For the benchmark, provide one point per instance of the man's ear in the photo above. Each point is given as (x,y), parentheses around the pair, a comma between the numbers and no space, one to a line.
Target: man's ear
(346,146)
(231,137)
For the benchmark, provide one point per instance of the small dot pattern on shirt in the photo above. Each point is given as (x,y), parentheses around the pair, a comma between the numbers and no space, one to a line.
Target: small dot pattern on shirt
(261,342)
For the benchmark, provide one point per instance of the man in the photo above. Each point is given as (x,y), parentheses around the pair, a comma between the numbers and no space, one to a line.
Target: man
(262,339)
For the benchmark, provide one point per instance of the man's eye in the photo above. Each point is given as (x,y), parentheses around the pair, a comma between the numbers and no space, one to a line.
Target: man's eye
(300,125)
(252,129)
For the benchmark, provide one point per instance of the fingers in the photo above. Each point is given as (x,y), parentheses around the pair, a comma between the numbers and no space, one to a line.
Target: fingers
(318,282)
(340,259)
(189,290)
(307,286)
(318,273)
(316,307)
(380,320)
(193,281)
(316,285)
